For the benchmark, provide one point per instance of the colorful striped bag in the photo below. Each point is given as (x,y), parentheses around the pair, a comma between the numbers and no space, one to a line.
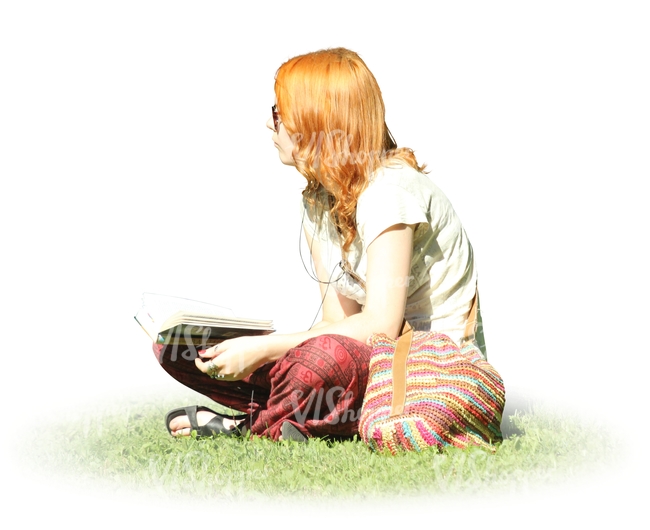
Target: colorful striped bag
(424,391)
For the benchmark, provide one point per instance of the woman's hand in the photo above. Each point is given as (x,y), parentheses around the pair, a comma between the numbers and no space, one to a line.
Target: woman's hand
(234,359)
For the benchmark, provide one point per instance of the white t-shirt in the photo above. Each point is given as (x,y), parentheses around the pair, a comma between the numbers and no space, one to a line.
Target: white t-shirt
(442,281)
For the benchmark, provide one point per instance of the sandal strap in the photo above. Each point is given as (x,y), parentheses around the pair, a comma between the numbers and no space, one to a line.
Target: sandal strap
(214,426)
(191,416)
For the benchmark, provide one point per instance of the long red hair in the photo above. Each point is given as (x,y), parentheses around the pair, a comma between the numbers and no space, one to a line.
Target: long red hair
(331,105)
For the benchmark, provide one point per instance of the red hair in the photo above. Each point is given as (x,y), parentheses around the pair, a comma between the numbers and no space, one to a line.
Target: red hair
(331,105)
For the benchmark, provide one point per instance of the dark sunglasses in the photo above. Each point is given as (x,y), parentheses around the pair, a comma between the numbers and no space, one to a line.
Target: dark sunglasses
(276,117)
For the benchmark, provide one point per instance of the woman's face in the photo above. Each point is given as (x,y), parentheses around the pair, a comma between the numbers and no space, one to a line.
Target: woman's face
(282,141)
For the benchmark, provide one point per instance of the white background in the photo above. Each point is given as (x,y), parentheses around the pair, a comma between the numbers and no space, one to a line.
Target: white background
(134,157)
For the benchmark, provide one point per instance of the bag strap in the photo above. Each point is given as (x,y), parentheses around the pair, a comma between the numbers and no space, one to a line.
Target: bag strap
(472,322)
(399,369)
(402,349)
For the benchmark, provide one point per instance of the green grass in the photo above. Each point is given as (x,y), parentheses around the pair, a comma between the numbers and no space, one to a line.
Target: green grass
(127,446)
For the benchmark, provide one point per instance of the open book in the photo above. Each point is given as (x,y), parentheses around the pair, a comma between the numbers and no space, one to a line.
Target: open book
(184,322)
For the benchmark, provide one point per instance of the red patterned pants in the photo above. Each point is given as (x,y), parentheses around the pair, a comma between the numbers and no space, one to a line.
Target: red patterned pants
(318,386)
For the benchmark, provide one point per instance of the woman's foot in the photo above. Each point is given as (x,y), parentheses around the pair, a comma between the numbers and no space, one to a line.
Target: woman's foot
(180,426)
(206,422)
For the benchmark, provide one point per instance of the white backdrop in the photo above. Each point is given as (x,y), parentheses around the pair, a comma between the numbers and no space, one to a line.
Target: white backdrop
(134,157)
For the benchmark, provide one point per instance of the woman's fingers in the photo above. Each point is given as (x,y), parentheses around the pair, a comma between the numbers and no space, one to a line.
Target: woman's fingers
(207,367)
(201,365)
(211,368)
(231,360)
(209,353)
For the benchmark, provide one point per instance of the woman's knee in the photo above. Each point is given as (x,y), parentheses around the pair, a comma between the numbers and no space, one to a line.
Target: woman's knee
(337,349)
(328,360)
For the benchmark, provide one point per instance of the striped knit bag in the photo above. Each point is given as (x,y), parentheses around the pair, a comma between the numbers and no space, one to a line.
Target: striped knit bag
(424,391)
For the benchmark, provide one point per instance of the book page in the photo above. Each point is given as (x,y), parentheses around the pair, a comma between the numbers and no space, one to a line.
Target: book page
(160,307)
(203,319)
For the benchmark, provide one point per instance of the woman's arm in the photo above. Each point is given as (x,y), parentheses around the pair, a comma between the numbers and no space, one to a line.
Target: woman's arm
(336,307)
(389,265)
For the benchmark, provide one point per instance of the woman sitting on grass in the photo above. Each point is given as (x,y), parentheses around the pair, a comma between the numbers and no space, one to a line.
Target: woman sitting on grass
(385,245)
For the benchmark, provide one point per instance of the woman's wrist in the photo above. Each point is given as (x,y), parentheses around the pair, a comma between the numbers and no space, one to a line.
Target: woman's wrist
(279,344)
(276,346)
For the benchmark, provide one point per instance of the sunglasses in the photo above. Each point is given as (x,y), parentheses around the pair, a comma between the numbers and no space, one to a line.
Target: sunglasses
(276,117)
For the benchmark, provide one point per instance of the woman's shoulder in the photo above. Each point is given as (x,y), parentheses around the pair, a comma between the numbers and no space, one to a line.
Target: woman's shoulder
(404,194)
(393,196)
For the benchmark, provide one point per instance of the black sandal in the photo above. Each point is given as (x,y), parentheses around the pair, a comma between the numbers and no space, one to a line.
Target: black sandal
(212,428)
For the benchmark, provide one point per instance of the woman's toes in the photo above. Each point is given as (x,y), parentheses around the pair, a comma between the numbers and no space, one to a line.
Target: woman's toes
(179,423)
(182,432)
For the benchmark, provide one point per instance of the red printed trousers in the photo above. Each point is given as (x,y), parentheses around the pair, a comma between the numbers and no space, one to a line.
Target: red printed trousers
(318,386)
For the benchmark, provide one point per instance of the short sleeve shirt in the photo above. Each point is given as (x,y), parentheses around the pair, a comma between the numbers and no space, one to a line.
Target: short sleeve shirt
(442,280)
